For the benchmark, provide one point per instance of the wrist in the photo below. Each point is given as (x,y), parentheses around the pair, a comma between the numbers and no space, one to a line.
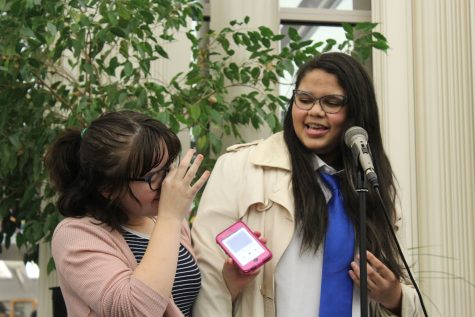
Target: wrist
(169,220)
(233,291)
(395,305)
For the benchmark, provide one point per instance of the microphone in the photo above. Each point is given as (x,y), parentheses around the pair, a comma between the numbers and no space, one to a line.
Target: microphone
(356,138)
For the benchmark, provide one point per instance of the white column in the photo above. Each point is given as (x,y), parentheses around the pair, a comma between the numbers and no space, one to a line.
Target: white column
(393,79)
(45,281)
(262,12)
(163,70)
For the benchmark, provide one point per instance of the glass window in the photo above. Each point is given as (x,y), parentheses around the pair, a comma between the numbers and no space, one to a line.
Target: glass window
(327,4)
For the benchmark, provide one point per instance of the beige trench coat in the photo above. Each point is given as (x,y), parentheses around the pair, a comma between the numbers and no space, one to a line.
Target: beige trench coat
(251,182)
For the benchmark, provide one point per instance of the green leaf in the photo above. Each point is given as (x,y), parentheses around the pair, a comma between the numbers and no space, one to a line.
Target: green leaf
(196,130)
(216,143)
(202,143)
(112,17)
(365,26)
(256,121)
(294,35)
(118,31)
(88,68)
(348,30)
(51,28)
(163,117)
(288,66)
(161,51)
(124,48)
(265,31)
(215,115)
(128,69)
(224,43)
(266,42)
(379,36)
(381,45)
(195,112)
(50,266)
(237,38)
(255,72)
(123,11)
(244,75)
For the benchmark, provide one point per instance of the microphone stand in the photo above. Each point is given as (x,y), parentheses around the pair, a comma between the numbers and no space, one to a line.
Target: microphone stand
(362,189)
(356,139)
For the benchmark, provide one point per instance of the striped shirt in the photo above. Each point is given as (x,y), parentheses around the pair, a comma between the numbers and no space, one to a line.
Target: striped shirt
(187,281)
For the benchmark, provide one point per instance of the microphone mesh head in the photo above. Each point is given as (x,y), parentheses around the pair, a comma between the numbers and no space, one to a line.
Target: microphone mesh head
(352,132)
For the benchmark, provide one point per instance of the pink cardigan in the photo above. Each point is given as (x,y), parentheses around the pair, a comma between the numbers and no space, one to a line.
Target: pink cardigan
(95,265)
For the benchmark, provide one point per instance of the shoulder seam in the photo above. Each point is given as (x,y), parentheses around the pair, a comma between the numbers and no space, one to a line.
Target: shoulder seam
(236,147)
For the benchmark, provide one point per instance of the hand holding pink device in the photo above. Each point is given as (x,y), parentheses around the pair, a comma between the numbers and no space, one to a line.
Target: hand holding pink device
(240,243)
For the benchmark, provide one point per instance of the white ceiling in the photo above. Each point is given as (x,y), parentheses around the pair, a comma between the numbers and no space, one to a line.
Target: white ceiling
(19,285)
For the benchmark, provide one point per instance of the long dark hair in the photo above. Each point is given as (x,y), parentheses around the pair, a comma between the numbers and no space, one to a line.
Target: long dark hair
(310,205)
(91,169)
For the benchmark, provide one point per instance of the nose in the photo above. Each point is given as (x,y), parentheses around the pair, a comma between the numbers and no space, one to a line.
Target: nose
(316,110)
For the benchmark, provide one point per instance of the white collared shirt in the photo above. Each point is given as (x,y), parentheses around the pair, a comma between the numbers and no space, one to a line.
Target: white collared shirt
(298,276)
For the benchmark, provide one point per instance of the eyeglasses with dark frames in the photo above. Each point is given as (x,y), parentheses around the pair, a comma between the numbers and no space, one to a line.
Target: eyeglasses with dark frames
(154,179)
(329,103)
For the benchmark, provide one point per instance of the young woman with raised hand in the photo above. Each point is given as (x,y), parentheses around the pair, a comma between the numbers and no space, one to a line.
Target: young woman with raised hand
(124,246)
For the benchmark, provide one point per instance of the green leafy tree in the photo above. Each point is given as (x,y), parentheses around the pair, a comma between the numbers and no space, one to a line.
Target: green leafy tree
(62,63)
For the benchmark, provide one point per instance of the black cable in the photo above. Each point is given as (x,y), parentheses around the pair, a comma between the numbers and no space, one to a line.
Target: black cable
(393,234)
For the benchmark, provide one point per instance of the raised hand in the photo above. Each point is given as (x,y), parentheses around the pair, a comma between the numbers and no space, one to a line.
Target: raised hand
(158,266)
(178,189)
(383,285)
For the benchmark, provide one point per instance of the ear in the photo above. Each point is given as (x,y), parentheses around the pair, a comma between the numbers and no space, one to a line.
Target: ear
(105,194)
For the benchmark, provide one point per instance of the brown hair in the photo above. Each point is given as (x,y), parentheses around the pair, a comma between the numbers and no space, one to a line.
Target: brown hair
(310,205)
(116,147)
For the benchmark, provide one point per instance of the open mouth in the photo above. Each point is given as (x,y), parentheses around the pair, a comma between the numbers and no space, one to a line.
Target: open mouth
(315,126)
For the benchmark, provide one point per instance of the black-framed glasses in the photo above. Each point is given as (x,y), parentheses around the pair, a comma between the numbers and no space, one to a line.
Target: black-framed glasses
(154,179)
(329,103)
